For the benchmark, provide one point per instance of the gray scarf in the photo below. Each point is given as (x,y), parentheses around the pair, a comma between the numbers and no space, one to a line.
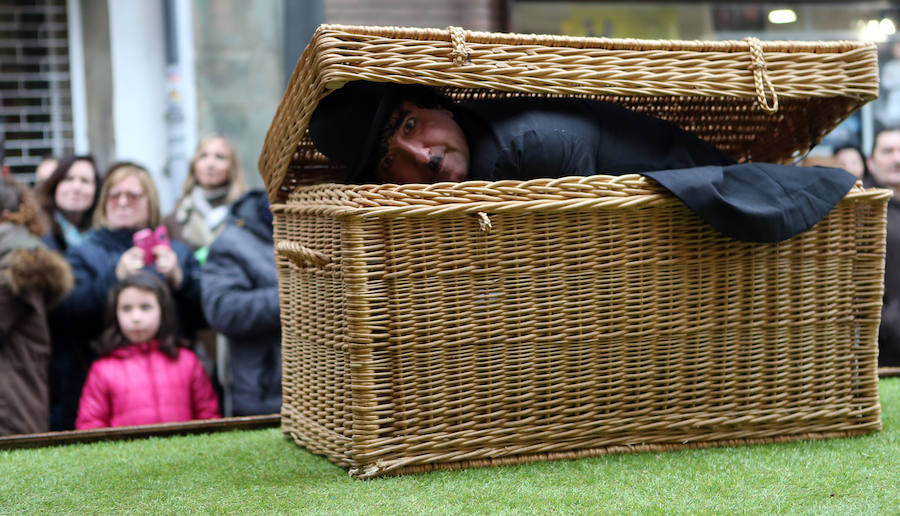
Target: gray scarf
(213,216)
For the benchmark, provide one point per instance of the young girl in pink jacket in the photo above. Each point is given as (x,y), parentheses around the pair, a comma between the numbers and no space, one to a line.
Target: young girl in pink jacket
(143,376)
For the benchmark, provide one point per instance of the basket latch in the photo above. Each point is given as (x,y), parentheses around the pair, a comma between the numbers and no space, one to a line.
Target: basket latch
(484,222)
(761,76)
(461,51)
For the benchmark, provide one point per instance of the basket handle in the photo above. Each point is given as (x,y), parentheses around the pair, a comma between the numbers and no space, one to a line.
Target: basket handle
(300,255)
(761,77)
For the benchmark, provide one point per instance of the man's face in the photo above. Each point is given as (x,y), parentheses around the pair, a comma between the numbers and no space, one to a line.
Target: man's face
(428,146)
(885,160)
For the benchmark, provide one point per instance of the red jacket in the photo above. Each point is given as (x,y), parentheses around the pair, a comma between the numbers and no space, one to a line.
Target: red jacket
(139,385)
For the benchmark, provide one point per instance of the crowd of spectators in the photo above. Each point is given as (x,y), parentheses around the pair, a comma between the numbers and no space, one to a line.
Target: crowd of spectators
(109,307)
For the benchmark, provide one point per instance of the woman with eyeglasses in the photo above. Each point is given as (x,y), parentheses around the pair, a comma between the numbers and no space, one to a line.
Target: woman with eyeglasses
(128,203)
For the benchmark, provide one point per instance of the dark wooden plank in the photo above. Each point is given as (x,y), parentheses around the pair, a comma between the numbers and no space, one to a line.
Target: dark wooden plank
(139,432)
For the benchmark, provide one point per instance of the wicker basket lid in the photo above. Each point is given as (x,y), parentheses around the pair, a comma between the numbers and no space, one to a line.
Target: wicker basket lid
(758,101)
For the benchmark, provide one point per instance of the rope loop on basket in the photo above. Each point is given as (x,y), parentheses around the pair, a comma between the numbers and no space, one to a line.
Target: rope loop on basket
(484,222)
(761,76)
(460,52)
(300,255)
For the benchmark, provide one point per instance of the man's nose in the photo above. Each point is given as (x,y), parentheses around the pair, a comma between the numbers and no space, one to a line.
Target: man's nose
(415,150)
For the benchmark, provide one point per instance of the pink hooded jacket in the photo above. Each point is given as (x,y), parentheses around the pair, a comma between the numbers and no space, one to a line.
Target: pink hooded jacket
(139,385)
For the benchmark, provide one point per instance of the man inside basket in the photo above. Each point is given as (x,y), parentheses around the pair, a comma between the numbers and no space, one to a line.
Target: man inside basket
(393,133)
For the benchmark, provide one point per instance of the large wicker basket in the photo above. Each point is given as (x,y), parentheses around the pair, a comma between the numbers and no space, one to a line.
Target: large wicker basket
(469,324)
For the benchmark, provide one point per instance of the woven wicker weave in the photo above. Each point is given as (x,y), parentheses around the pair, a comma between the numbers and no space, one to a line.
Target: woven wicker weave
(758,101)
(472,324)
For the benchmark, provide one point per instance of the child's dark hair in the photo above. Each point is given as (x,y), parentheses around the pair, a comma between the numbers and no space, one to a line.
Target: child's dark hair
(113,338)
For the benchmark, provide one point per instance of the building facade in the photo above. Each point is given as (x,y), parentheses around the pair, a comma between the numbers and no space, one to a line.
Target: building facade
(144,80)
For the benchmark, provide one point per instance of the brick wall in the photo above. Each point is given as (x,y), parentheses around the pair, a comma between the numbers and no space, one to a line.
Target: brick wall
(35,105)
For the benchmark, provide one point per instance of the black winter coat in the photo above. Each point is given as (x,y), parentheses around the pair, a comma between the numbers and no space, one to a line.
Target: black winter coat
(528,138)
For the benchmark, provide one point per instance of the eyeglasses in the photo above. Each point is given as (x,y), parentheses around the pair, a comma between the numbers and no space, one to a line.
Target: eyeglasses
(129,197)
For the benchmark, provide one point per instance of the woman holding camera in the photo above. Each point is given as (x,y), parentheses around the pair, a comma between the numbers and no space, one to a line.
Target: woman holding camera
(128,203)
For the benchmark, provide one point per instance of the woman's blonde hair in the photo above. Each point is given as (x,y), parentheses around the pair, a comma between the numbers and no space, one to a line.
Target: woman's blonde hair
(116,173)
(237,185)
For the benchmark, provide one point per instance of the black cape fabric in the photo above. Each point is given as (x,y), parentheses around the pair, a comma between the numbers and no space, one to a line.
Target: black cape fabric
(529,138)
(758,202)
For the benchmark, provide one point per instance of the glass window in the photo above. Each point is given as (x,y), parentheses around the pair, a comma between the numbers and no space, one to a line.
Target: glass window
(867,20)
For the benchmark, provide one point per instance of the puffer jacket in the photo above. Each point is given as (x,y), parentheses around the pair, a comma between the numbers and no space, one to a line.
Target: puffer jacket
(240,300)
(32,279)
(139,385)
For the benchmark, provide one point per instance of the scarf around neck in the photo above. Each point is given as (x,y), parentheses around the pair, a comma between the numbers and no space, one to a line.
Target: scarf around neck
(72,234)
(213,216)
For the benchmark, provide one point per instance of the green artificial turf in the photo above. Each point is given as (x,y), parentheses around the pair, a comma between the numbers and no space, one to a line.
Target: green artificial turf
(262,472)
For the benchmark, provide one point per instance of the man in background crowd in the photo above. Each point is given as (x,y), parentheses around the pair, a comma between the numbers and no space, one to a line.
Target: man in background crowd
(884,168)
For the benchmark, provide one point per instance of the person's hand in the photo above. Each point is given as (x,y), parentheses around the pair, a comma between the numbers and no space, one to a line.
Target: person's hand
(130,262)
(167,265)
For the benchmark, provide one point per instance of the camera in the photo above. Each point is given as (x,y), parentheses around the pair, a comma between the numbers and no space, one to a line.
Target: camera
(148,238)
